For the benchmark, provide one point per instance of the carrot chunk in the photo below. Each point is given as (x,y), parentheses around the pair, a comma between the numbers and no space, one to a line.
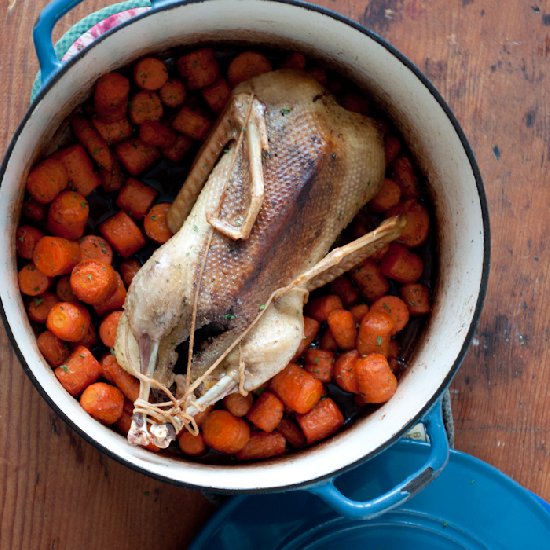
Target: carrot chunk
(375,333)
(56,256)
(68,215)
(135,198)
(89,340)
(136,156)
(115,301)
(344,289)
(267,412)
(297,388)
(128,269)
(90,138)
(93,247)
(392,147)
(404,176)
(124,381)
(108,328)
(68,321)
(396,308)
(173,93)
(157,134)
(417,298)
(387,197)
(356,103)
(155,224)
(103,402)
(150,73)
(190,122)
(359,311)
(327,341)
(80,169)
(319,363)
(247,65)
(54,350)
(292,433)
(319,74)
(112,179)
(33,211)
(40,306)
(46,180)
(224,432)
(401,265)
(144,106)
(122,234)
(417,224)
(294,60)
(375,380)
(311,328)
(198,68)
(111,97)
(342,327)
(323,420)
(79,371)
(113,132)
(344,373)
(201,416)
(320,307)
(93,282)
(64,291)
(179,149)
(32,281)
(237,404)
(26,238)
(262,445)
(217,95)
(370,279)
(191,445)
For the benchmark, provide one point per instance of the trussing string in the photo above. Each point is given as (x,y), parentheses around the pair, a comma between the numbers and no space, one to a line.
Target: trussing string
(242,367)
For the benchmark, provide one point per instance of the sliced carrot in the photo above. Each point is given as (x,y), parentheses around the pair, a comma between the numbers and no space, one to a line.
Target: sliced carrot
(64,291)
(217,95)
(237,404)
(90,339)
(375,380)
(113,179)
(401,265)
(136,156)
(111,97)
(116,301)
(375,333)
(56,256)
(135,198)
(128,269)
(103,402)
(200,417)
(417,224)
(262,445)
(150,73)
(297,388)
(179,149)
(33,211)
(294,60)
(80,170)
(396,308)
(379,254)
(320,307)
(198,68)
(356,103)
(144,106)
(124,423)
(392,147)
(157,134)
(359,311)
(327,341)
(40,306)
(90,138)
(122,234)
(54,350)
(342,327)
(344,289)
(404,176)
(68,321)
(322,421)
(319,363)
(108,328)
(93,247)
(191,445)
(292,433)
(224,432)
(155,224)
(68,215)
(32,281)
(387,197)
(266,412)
(344,373)
(192,123)
(93,282)
(26,238)
(79,371)
(113,132)
(246,65)
(173,93)
(46,180)
(370,279)
(417,298)
(124,381)
(311,328)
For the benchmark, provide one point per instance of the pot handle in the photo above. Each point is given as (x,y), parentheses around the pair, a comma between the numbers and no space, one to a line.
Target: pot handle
(439,455)
(42,34)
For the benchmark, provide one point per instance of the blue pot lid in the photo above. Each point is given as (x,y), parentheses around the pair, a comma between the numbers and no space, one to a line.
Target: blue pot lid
(471,505)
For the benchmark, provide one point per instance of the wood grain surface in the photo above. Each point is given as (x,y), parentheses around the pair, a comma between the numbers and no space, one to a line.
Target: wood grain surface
(490,62)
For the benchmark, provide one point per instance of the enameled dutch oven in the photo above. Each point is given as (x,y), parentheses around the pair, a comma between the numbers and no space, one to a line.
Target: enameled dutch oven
(429,128)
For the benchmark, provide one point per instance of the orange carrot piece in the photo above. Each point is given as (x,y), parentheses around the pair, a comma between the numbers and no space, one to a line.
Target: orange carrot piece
(297,388)
(135,198)
(111,97)
(40,306)
(217,95)
(237,404)
(311,328)
(322,421)
(79,371)
(124,423)
(113,179)
(379,254)
(247,65)
(292,433)
(113,132)
(93,282)
(157,134)
(54,350)
(401,265)
(190,122)
(262,445)
(266,412)
(344,289)
(173,93)
(319,74)
(356,103)
(108,328)
(124,381)
(93,247)
(198,68)
(359,311)
(80,169)
(26,238)
(179,149)
(68,321)
(396,308)
(46,180)
(122,234)
(342,327)
(68,215)
(136,156)
(320,307)
(319,363)
(370,279)
(344,373)
(33,211)
(56,256)
(103,402)
(89,340)
(392,147)
(90,138)
(327,341)
(144,106)
(224,432)
(155,224)
(403,174)
(375,380)
(294,60)
(387,197)
(417,224)
(128,269)
(191,445)
(375,333)
(116,301)
(393,355)
(417,298)
(150,73)
(200,417)
(64,291)
(32,281)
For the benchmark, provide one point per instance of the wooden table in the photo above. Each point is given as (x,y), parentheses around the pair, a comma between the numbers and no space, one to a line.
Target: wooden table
(490,64)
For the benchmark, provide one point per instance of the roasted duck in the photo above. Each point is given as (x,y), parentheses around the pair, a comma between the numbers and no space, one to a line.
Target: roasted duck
(284,171)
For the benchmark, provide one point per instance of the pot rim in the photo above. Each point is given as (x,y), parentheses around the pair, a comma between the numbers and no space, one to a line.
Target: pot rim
(300,4)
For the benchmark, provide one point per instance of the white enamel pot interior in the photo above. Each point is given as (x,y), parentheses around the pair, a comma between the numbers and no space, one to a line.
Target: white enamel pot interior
(430,130)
